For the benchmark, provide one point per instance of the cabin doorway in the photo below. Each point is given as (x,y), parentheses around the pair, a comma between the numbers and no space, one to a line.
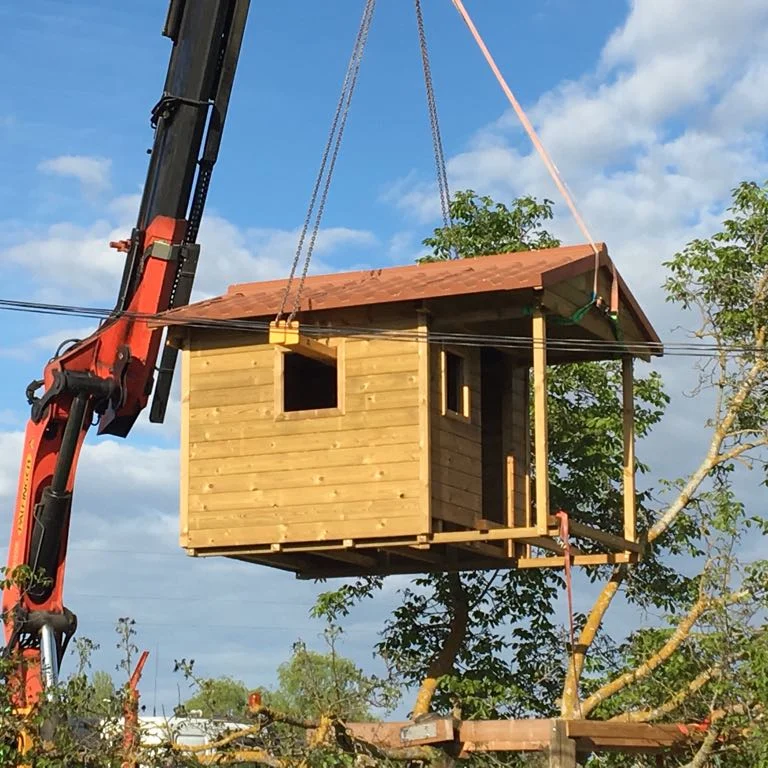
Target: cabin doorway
(492,386)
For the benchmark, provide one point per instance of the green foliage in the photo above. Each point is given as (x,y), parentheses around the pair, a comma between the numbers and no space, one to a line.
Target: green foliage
(482,226)
(219,698)
(313,684)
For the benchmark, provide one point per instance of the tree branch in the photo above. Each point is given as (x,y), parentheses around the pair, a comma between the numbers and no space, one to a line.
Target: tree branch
(681,632)
(442,663)
(571,706)
(673,702)
(701,758)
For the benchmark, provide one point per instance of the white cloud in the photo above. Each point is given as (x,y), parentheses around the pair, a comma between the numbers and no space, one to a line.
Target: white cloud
(71,263)
(91,172)
(651,142)
(232,255)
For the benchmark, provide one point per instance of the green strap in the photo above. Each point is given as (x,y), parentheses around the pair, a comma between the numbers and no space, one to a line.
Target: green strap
(580,313)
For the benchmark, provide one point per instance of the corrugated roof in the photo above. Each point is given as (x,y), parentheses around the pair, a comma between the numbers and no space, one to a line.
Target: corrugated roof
(502,272)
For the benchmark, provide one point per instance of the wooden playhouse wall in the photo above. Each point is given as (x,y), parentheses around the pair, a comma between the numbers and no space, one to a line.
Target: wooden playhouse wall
(458,458)
(254,476)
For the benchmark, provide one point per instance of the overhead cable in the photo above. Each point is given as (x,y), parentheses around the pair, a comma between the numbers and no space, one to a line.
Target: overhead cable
(669,348)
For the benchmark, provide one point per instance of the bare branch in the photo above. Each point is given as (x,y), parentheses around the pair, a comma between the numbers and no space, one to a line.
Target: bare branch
(681,632)
(705,750)
(673,702)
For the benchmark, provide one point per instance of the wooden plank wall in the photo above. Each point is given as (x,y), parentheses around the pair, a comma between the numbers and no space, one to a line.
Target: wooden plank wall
(258,477)
(456,446)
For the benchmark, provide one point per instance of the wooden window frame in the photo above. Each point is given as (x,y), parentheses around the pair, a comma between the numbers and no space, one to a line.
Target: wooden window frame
(281,414)
(465,394)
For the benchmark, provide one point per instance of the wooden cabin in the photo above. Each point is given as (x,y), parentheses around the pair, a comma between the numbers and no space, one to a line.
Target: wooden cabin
(389,430)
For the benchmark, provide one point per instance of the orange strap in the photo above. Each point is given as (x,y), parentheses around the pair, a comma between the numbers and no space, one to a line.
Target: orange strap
(529,129)
(701,727)
(565,537)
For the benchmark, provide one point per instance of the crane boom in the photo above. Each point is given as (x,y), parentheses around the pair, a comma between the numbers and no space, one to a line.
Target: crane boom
(110,375)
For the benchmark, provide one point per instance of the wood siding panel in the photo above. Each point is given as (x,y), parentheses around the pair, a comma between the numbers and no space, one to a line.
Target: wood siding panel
(257,477)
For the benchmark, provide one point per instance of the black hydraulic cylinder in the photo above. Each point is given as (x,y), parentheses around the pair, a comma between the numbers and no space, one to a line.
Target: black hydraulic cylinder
(51,514)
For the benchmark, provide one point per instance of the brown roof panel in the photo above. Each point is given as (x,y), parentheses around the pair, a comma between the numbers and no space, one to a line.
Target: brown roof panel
(506,271)
(501,272)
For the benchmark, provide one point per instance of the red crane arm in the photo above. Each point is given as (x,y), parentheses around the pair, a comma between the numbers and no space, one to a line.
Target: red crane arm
(111,374)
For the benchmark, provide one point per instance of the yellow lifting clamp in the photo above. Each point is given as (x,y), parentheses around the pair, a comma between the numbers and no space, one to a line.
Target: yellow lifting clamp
(288,334)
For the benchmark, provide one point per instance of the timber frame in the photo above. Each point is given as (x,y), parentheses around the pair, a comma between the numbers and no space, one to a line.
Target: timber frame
(563,741)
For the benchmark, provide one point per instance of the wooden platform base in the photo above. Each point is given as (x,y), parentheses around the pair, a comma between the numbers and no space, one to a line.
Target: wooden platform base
(563,739)
(438,552)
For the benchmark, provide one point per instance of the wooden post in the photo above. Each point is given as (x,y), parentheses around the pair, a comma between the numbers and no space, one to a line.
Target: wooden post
(562,750)
(184,442)
(628,418)
(425,422)
(540,420)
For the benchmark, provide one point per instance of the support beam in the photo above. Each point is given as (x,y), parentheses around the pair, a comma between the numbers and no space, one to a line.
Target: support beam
(562,750)
(609,558)
(616,543)
(425,415)
(478,316)
(289,336)
(628,418)
(353,558)
(541,425)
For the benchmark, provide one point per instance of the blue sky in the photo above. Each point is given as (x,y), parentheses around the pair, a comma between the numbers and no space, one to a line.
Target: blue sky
(653,110)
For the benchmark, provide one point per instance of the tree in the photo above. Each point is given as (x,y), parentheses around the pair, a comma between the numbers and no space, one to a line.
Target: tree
(220,697)
(313,684)
(481,226)
(489,660)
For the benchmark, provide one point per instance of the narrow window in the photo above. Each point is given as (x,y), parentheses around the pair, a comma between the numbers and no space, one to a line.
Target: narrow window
(454,385)
(309,384)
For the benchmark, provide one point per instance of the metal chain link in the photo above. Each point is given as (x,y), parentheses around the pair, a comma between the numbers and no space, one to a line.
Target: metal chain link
(329,158)
(437,141)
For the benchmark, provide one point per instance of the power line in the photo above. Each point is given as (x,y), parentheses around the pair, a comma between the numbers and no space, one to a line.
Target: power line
(669,348)
(185,598)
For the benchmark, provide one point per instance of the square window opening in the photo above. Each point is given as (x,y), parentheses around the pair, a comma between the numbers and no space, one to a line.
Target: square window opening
(309,384)
(455,387)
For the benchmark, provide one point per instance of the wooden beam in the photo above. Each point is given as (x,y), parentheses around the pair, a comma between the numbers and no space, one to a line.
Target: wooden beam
(540,419)
(628,419)
(480,316)
(486,550)
(600,558)
(184,446)
(497,534)
(614,542)
(614,736)
(562,750)
(504,736)
(545,542)
(562,738)
(354,558)
(415,553)
(425,415)
(289,336)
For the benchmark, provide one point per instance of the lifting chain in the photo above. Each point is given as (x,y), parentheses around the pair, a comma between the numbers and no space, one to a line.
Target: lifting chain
(330,155)
(437,141)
